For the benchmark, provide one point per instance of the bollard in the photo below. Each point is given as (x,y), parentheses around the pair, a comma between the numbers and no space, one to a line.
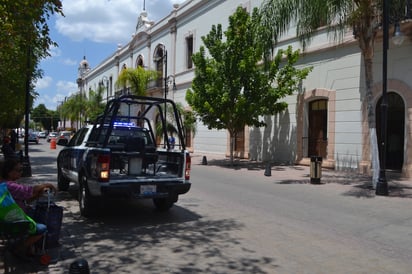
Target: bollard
(53,143)
(204,161)
(315,169)
(268,169)
(25,162)
(80,266)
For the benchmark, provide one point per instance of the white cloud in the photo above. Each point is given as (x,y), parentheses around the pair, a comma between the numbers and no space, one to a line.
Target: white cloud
(55,51)
(62,89)
(70,62)
(43,83)
(107,21)
(66,87)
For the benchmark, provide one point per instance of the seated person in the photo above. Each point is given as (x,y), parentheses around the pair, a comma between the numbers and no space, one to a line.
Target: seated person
(10,172)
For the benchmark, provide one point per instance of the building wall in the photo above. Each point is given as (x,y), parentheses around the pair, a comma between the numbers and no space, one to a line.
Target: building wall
(338,76)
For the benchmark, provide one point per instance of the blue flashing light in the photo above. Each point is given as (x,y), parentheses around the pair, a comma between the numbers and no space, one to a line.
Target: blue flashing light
(124,124)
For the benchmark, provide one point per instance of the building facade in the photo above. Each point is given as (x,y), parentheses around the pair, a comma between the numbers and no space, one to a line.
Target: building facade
(326,117)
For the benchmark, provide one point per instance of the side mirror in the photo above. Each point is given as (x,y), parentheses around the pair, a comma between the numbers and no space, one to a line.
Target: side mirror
(62,142)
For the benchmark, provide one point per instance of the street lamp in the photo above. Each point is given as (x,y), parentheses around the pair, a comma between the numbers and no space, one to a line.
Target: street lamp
(59,108)
(382,184)
(26,160)
(105,80)
(168,79)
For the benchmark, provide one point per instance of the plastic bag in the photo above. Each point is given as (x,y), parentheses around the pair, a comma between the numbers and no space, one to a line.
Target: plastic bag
(11,212)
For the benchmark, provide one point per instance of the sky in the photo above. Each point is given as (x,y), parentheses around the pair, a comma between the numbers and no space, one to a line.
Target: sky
(90,28)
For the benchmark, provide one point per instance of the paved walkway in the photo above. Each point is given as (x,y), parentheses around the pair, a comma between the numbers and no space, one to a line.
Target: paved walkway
(297,174)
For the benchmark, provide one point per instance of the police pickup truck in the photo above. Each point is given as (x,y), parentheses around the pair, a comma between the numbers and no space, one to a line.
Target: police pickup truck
(127,153)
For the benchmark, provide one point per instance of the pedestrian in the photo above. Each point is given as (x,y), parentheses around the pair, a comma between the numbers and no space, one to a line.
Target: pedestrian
(6,148)
(172,141)
(13,139)
(11,170)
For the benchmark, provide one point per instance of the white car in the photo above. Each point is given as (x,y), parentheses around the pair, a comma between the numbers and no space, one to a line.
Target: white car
(65,134)
(51,135)
(42,134)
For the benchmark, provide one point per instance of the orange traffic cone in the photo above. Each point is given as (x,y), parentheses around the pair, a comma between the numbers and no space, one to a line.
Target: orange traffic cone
(53,143)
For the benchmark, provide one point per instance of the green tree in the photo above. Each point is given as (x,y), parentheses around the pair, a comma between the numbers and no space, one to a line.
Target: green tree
(24,41)
(362,16)
(94,104)
(231,90)
(74,108)
(187,118)
(48,119)
(40,114)
(137,79)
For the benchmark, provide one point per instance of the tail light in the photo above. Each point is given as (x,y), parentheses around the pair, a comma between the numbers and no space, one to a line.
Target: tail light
(103,168)
(188,166)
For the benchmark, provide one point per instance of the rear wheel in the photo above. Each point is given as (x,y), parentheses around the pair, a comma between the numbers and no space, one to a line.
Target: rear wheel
(163,204)
(62,183)
(87,203)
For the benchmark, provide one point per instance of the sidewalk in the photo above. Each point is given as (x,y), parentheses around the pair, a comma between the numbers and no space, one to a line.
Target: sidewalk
(360,185)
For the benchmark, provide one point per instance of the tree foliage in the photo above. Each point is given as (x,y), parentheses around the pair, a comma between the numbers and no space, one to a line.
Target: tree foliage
(79,108)
(49,119)
(187,118)
(137,79)
(24,41)
(231,89)
(73,109)
(94,104)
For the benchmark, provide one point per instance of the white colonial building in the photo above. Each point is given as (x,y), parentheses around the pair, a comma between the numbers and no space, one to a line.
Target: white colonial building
(326,117)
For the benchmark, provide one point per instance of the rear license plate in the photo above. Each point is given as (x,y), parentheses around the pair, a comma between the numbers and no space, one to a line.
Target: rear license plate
(147,189)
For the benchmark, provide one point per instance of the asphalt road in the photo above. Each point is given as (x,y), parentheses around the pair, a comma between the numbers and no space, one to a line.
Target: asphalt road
(236,220)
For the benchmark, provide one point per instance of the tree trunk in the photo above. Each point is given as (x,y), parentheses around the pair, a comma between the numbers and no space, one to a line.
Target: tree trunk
(371,118)
(232,147)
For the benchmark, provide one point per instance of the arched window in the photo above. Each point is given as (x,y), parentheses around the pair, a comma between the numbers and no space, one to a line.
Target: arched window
(160,58)
(139,61)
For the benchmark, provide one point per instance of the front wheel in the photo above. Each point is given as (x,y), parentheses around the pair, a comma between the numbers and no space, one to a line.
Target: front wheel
(163,204)
(87,203)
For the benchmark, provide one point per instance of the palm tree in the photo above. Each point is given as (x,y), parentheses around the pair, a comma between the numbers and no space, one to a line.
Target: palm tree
(188,121)
(74,108)
(94,104)
(137,79)
(361,16)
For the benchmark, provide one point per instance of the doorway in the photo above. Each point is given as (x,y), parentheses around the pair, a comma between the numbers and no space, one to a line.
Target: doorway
(318,128)
(395,130)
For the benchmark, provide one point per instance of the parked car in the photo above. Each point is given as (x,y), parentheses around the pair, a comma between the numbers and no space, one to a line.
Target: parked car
(32,138)
(65,134)
(51,135)
(42,134)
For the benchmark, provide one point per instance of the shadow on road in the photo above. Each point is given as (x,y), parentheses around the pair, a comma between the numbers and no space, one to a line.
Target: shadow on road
(135,234)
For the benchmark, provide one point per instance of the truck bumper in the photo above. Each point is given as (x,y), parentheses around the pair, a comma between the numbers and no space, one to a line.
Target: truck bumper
(145,191)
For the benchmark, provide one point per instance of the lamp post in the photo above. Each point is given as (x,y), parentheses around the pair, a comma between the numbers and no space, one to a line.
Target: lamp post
(26,159)
(168,79)
(105,80)
(59,108)
(382,184)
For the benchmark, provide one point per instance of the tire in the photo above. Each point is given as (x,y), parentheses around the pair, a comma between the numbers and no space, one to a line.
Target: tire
(62,182)
(87,203)
(163,204)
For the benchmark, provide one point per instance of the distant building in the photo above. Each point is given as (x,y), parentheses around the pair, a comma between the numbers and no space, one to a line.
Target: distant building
(326,117)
